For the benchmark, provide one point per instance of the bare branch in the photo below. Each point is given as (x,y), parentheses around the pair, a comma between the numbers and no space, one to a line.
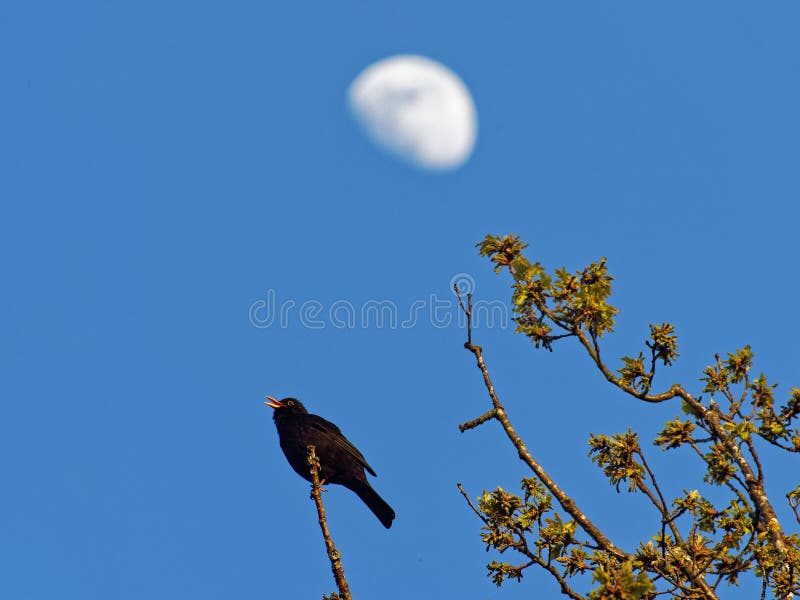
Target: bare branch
(566,502)
(471,505)
(333,553)
(491,414)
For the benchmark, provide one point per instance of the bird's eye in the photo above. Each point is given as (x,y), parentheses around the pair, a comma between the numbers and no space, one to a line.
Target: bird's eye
(290,403)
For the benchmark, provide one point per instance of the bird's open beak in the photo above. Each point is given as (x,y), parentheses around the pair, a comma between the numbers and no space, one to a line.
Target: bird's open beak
(273,402)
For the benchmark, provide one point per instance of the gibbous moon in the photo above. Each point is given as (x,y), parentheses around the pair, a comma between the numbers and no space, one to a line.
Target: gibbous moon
(417,109)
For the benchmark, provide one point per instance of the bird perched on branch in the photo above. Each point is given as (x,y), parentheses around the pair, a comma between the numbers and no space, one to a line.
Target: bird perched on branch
(339,461)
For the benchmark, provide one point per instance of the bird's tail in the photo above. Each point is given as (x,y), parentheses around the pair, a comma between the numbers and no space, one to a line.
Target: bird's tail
(375,503)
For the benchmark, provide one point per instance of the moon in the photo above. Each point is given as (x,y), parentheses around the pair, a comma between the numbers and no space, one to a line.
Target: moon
(417,109)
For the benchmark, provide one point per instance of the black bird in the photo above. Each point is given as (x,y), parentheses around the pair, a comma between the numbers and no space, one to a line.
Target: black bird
(339,461)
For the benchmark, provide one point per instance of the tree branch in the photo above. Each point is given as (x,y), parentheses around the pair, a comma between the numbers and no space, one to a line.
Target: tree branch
(755,487)
(491,414)
(471,505)
(333,553)
(498,413)
(563,302)
(565,588)
(566,502)
(793,503)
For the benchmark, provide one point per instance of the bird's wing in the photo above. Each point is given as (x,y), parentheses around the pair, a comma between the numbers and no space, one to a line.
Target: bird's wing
(338,437)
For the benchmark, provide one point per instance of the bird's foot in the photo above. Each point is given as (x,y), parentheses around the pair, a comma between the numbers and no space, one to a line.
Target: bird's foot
(319,486)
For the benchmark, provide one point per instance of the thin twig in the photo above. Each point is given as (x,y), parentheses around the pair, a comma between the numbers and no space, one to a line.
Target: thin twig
(793,503)
(466,311)
(777,444)
(333,553)
(491,414)
(565,588)
(663,502)
(471,505)
(661,505)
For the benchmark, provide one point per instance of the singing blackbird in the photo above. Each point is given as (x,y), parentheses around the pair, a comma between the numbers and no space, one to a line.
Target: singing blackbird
(339,461)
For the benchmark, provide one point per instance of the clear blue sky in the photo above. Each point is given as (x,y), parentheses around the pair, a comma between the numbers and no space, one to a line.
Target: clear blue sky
(164,165)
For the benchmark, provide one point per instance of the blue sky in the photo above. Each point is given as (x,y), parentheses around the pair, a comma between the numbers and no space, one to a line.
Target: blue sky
(165,165)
